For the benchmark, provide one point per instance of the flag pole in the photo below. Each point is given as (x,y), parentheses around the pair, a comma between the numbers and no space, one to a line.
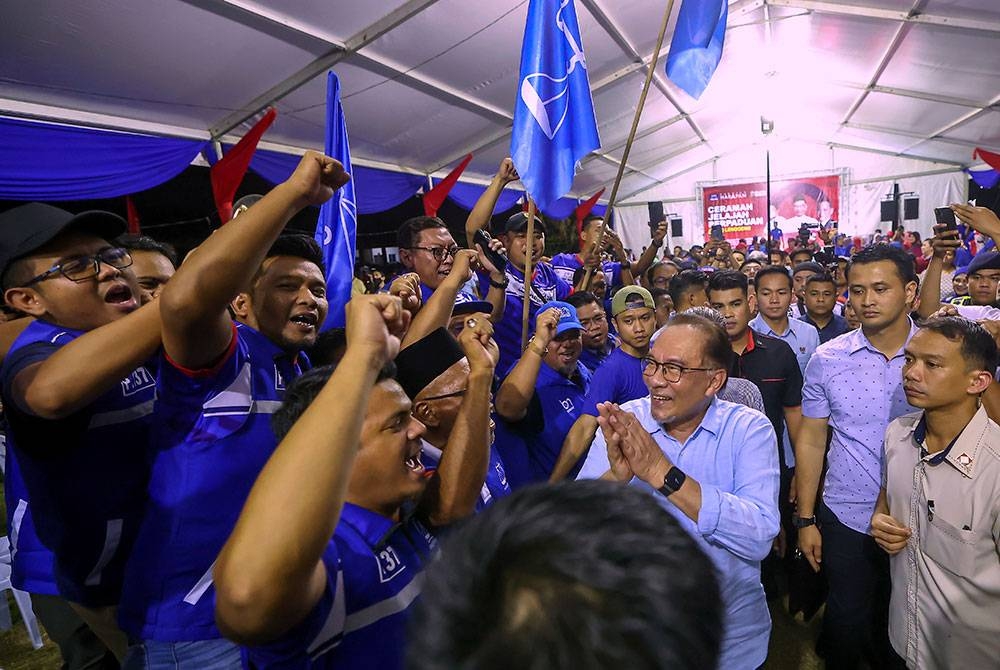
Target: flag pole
(631,133)
(525,313)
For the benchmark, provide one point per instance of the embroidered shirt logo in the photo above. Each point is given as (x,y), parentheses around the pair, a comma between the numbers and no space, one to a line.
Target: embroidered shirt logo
(137,380)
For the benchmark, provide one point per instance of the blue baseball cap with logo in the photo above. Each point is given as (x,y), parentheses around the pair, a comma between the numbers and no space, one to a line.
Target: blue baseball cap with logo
(567,319)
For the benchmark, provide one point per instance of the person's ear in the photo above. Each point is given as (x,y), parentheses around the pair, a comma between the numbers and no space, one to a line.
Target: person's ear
(911,292)
(406,258)
(242,305)
(716,383)
(26,300)
(424,412)
(980,381)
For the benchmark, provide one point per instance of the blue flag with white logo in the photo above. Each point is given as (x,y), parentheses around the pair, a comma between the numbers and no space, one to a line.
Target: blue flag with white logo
(696,47)
(554,123)
(336,230)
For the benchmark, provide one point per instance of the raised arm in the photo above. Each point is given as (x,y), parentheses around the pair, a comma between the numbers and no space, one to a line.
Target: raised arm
(518,388)
(452,494)
(80,372)
(193,303)
(930,287)
(479,217)
(648,256)
(575,445)
(270,573)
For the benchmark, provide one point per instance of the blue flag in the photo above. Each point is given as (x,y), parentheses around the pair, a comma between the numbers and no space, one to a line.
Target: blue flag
(554,123)
(985,178)
(336,230)
(696,47)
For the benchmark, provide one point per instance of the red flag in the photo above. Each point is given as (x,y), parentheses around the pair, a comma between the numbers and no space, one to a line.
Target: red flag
(434,198)
(583,210)
(229,171)
(992,159)
(133,217)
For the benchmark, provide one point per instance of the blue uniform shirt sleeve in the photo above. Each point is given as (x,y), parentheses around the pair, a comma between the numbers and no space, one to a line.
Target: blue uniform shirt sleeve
(815,404)
(603,386)
(745,521)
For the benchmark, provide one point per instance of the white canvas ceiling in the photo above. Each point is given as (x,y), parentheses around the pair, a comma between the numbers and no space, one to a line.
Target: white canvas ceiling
(914,84)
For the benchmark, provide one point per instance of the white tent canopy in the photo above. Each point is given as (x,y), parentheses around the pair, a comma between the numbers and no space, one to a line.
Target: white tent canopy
(892,90)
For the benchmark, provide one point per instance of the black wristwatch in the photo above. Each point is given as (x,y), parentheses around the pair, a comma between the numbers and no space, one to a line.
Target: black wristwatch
(503,284)
(803,521)
(672,481)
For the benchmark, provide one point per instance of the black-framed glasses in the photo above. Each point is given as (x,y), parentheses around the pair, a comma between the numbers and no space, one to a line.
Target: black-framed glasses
(670,371)
(86,267)
(439,253)
(453,394)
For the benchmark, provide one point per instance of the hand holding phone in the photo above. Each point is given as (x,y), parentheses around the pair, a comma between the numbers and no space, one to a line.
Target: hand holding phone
(496,258)
(946,217)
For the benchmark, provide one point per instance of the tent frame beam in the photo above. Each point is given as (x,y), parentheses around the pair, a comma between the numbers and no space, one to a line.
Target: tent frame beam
(912,17)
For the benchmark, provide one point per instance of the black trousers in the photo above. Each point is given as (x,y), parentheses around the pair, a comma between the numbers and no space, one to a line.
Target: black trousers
(80,648)
(856,623)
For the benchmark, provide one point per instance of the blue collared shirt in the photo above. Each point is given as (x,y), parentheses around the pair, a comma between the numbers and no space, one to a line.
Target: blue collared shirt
(860,391)
(802,337)
(733,456)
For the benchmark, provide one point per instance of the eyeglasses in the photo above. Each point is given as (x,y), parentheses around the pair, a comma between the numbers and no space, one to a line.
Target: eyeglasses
(86,267)
(453,394)
(439,253)
(670,371)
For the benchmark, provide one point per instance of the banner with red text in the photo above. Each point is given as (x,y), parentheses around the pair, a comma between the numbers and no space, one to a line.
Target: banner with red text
(740,209)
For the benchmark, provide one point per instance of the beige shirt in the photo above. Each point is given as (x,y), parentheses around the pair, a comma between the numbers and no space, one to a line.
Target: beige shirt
(945,605)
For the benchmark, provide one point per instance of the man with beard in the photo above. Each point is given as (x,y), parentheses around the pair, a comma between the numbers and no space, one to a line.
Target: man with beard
(219,382)
(544,394)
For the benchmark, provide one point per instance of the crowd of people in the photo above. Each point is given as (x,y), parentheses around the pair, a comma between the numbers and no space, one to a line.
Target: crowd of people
(199,474)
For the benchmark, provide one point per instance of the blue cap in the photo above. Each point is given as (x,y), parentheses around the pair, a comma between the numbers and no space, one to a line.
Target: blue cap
(468,303)
(568,319)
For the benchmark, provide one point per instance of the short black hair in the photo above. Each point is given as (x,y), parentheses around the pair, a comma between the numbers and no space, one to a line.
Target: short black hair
(579,272)
(802,250)
(821,278)
(329,347)
(725,280)
(586,574)
(298,246)
(304,389)
(874,253)
(658,292)
(145,243)
(584,298)
(406,236)
(685,282)
(652,268)
(751,261)
(979,349)
(771,270)
(718,350)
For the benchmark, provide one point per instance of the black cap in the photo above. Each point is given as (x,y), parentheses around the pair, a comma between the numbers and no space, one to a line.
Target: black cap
(420,363)
(30,227)
(519,222)
(989,260)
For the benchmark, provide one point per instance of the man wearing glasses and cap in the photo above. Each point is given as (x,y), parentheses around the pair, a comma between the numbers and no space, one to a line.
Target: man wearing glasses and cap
(78,397)
(712,464)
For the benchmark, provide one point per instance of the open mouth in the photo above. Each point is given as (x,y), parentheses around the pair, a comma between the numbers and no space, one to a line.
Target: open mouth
(118,294)
(414,464)
(306,320)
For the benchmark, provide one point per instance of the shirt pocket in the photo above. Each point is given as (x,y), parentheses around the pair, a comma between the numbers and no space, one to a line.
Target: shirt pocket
(952,548)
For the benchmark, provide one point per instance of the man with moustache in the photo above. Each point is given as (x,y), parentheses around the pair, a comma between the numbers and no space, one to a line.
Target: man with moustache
(598,342)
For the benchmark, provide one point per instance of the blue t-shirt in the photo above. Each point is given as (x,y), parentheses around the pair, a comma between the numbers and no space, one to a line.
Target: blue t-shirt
(552,410)
(32,563)
(545,286)
(566,266)
(592,359)
(495,486)
(85,475)
(374,573)
(212,436)
(618,380)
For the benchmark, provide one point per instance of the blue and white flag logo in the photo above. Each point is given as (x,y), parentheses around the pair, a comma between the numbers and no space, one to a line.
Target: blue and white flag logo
(554,123)
(336,230)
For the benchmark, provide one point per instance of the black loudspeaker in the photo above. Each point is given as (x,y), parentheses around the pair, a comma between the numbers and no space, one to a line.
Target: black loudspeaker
(888,210)
(911,208)
(676,227)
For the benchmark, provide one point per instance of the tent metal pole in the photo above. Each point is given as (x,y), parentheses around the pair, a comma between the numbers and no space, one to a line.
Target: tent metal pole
(631,137)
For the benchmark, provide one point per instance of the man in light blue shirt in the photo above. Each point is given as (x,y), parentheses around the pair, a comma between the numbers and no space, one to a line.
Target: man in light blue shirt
(773,288)
(710,463)
(853,385)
